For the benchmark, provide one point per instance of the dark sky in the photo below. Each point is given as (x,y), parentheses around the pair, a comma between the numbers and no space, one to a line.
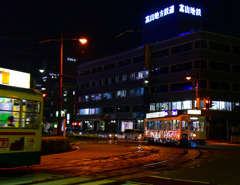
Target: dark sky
(24,23)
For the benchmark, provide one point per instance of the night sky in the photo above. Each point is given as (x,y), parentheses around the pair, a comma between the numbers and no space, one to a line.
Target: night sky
(111,26)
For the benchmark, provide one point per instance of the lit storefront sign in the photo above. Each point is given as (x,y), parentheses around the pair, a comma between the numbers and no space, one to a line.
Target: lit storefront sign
(14,78)
(171,10)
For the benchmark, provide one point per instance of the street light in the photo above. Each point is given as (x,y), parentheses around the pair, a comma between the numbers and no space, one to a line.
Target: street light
(82,41)
(197,89)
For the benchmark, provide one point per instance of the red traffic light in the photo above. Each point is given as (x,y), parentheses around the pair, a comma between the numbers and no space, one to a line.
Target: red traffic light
(44,95)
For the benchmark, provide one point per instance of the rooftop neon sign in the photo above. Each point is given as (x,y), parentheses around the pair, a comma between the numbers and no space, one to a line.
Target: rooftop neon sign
(171,10)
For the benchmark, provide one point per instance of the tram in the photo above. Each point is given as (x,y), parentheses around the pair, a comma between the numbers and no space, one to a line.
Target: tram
(182,128)
(21,113)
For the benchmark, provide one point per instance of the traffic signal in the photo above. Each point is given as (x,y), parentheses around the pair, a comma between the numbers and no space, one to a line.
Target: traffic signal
(44,95)
(207,104)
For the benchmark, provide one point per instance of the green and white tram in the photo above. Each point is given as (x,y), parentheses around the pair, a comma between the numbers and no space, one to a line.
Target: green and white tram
(21,113)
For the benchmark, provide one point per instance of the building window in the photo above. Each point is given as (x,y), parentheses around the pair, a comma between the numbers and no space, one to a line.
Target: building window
(109,66)
(221,105)
(177,105)
(160,53)
(187,104)
(137,92)
(152,107)
(159,71)
(200,44)
(219,46)
(181,48)
(236,68)
(137,108)
(89,111)
(162,89)
(181,67)
(124,62)
(121,94)
(236,50)
(123,109)
(109,110)
(107,96)
(138,59)
(200,64)
(225,86)
(219,66)
(164,106)
(181,86)
(96,97)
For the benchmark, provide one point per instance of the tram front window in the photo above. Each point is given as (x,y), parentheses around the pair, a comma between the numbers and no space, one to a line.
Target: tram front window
(193,125)
(184,125)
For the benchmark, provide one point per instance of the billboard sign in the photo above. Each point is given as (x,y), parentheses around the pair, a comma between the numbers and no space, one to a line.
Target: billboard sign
(14,78)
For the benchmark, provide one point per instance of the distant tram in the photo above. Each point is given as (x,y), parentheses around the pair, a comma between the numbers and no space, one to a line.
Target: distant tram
(21,113)
(184,128)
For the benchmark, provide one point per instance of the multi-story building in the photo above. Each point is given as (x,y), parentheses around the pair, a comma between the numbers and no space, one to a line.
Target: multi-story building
(116,92)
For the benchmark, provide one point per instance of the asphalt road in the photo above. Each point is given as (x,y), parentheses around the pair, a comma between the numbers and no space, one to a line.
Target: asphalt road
(116,162)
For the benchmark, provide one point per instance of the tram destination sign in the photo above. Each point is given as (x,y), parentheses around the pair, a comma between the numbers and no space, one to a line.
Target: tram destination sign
(162,114)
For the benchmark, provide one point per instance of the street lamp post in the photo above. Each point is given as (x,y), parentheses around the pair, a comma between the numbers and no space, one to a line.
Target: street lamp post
(197,90)
(82,41)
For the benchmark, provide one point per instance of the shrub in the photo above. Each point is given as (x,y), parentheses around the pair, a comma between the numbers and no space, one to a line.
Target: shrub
(51,145)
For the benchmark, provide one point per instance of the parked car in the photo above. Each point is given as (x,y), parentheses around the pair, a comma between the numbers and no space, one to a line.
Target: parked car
(133,134)
(105,135)
(119,135)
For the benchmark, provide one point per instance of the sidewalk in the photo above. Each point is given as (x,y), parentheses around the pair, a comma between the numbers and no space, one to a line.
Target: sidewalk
(220,144)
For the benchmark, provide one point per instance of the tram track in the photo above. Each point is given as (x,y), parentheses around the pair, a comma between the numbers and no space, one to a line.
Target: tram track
(114,171)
